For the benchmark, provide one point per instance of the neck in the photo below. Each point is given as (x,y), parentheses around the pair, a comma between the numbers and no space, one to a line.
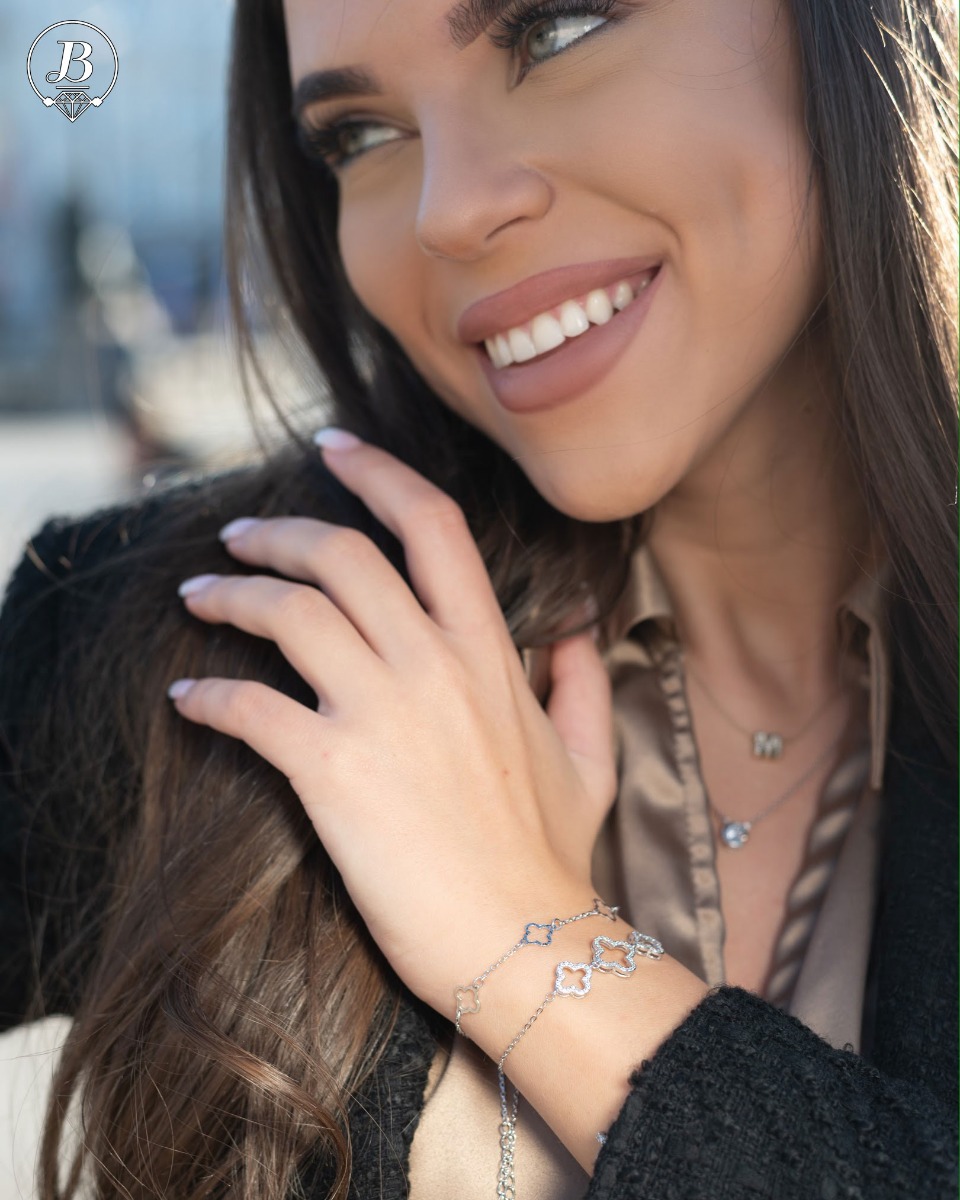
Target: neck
(758,544)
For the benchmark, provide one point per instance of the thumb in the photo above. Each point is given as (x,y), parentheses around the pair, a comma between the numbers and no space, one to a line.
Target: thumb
(580,707)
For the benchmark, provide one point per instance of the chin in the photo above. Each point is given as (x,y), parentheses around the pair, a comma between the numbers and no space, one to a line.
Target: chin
(597,498)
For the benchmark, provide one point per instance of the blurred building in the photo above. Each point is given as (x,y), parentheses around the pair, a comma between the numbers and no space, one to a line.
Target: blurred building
(115,363)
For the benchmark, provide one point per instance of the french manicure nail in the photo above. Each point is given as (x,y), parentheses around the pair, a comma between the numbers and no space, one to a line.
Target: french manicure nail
(195,584)
(237,527)
(332,438)
(179,688)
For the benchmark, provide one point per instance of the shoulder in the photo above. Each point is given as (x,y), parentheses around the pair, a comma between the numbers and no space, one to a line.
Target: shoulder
(76,570)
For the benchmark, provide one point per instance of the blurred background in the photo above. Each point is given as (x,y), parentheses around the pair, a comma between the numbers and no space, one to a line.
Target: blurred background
(116,367)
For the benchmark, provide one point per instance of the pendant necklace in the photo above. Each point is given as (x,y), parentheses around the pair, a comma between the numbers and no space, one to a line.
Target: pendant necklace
(737,833)
(766,745)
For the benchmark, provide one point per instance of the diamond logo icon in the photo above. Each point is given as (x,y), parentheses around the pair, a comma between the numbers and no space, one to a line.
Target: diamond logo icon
(72,104)
(72,66)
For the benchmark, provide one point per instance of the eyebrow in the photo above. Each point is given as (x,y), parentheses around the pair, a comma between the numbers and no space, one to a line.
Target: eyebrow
(465,22)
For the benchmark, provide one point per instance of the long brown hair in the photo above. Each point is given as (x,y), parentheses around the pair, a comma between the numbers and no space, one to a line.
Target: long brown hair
(228,1001)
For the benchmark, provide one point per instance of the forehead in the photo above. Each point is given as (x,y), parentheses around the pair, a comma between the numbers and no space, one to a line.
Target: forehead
(328,33)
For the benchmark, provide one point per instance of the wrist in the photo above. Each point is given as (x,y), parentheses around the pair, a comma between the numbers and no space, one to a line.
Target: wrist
(555,957)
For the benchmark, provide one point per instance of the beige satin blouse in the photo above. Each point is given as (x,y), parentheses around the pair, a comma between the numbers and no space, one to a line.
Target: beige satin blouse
(655,857)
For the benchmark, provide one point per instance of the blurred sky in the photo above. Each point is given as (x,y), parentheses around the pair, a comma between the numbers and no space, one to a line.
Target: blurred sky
(114,359)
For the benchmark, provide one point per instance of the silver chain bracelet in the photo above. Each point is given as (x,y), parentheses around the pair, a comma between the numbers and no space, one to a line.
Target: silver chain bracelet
(635,943)
(471,990)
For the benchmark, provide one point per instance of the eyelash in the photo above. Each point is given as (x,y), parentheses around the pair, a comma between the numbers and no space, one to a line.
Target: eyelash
(322,144)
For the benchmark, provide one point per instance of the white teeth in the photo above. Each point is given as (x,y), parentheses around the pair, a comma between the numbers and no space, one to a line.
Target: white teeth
(622,296)
(504,357)
(573,320)
(598,306)
(545,332)
(521,345)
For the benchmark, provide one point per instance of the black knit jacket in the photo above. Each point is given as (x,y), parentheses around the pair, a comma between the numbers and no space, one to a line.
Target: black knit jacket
(741,1101)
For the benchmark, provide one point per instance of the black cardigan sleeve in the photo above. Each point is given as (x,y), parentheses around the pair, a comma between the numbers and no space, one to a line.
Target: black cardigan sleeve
(744,1101)
(46,896)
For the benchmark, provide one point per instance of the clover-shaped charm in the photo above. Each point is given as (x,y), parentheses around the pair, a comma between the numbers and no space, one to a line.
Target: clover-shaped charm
(601,944)
(534,941)
(562,989)
(645,944)
(472,994)
(606,910)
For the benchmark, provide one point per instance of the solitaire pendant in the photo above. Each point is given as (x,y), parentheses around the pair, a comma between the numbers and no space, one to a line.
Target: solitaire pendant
(767,745)
(735,834)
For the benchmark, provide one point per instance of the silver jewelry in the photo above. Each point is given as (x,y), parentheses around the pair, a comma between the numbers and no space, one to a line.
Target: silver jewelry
(735,834)
(469,993)
(764,743)
(635,943)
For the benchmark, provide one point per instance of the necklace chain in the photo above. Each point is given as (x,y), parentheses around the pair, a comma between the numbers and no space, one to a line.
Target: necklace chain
(788,793)
(733,833)
(723,712)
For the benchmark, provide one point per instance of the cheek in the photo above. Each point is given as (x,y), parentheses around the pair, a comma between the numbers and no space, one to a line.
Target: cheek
(371,258)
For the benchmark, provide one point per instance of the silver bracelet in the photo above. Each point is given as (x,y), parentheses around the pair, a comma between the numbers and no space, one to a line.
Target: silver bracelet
(636,943)
(470,992)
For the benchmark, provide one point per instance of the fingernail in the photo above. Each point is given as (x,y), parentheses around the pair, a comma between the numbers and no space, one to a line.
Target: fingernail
(332,438)
(194,584)
(179,688)
(237,527)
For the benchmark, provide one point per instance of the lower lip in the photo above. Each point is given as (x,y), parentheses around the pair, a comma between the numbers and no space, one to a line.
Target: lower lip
(580,363)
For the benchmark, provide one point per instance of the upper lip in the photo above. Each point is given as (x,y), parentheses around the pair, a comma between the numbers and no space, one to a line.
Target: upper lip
(518,304)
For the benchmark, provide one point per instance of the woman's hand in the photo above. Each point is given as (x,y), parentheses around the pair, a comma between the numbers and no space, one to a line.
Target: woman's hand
(455,808)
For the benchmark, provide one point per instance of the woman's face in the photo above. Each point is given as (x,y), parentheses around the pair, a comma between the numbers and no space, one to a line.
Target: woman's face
(669,131)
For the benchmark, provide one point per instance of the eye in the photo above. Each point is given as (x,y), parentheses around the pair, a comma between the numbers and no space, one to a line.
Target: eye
(330,144)
(581,17)
(339,142)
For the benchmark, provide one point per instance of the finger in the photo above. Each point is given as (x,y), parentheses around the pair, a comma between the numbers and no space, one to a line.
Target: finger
(312,634)
(443,561)
(580,707)
(273,725)
(350,568)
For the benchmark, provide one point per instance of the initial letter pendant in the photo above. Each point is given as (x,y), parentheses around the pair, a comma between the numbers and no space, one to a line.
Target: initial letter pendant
(767,745)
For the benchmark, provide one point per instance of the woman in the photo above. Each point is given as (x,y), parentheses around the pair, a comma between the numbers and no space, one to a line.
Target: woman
(652,303)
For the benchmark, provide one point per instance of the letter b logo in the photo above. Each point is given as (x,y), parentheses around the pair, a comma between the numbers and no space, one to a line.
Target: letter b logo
(68,56)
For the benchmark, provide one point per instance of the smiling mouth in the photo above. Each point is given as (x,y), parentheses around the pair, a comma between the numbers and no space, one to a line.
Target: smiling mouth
(571,321)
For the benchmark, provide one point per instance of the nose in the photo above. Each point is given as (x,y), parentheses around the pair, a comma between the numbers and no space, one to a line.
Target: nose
(476,183)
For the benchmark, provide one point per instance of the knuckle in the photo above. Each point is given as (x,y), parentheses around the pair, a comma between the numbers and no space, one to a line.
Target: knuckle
(298,603)
(442,512)
(441,670)
(344,542)
(243,705)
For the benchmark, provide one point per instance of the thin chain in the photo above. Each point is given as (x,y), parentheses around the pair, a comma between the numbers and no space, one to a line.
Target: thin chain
(736,724)
(506,1183)
(636,943)
(790,791)
(526,1027)
(600,909)
(506,1180)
